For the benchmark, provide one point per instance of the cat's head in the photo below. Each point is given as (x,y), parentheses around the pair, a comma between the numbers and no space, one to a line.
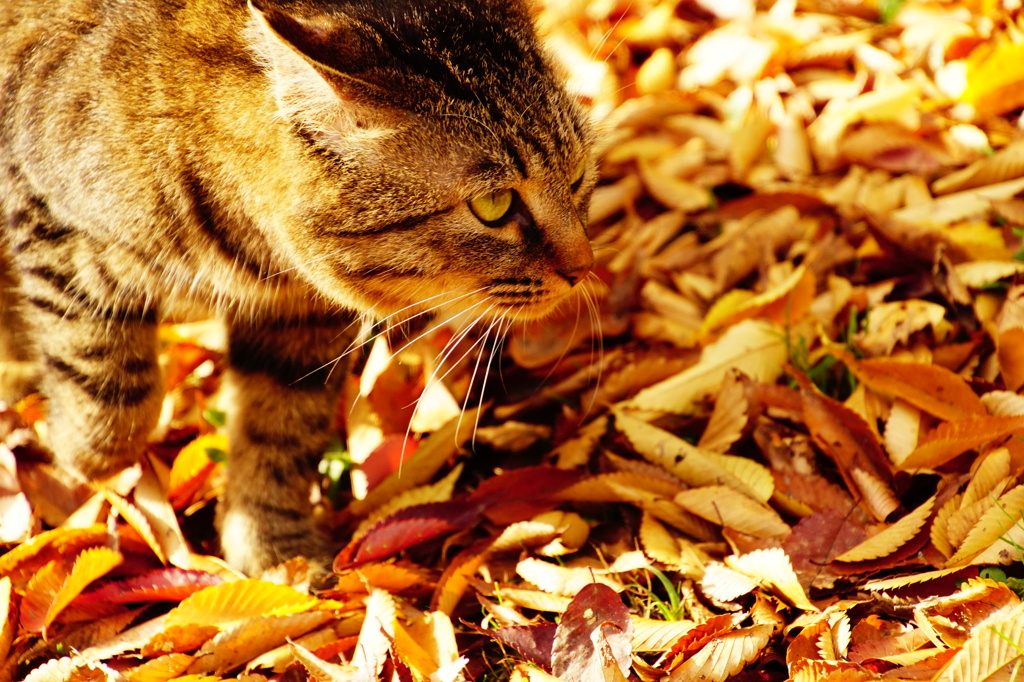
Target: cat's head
(453,170)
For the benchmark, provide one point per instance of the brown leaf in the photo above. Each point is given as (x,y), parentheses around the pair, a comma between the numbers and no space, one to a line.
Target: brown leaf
(842,435)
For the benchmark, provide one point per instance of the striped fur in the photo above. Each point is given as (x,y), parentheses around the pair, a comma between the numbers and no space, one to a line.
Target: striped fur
(289,165)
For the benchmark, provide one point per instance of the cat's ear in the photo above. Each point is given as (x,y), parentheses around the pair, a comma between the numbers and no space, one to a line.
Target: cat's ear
(316,64)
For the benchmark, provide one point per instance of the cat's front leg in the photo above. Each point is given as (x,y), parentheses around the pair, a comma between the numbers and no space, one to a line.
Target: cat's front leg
(286,379)
(94,338)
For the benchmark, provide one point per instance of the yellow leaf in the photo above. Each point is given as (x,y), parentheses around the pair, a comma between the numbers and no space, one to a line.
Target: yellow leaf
(902,430)
(21,562)
(724,656)
(90,565)
(727,507)
(609,487)
(658,635)
(1001,516)
(892,323)
(979,274)
(453,582)
(562,580)
(728,418)
(1006,164)
(244,641)
(538,600)
(786,302)
(376,634)
(992,652)
(989,470)
(672,192)
(658,543)
(772,567)
(137,520)
(230,602)
(995,79)
(321,670)
(892,538)
(724,584)
(950,439)
(687,462)
(427,645)
(193,460)
(754,348)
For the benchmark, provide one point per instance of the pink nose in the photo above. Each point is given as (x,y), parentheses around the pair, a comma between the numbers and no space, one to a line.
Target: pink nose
(574,276)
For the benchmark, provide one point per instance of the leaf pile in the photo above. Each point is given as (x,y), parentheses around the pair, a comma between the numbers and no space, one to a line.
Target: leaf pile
(777,436)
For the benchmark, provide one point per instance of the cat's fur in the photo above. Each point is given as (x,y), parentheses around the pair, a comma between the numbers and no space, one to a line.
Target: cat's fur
(286,165)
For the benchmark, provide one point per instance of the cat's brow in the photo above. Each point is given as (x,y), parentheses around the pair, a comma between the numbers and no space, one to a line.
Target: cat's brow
(406,223)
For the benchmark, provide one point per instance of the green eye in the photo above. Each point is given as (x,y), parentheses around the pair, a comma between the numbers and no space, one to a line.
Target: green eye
(577,175)
(490,208)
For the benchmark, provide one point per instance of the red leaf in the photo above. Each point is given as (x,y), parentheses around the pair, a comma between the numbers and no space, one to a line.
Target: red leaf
(534,642)
(594,635)
(163,584)
(406,528)
(522,493)
(387,458)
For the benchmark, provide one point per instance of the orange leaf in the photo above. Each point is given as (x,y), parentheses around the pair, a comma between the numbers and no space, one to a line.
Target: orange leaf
(1010,345)
(40,592)
(452,583)
(395,578)
(931,388)
(950,439)
(54,587)
(7,617)
(24,560)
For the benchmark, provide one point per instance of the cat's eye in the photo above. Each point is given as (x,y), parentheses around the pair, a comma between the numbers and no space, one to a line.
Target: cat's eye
(577,175)
(491,207)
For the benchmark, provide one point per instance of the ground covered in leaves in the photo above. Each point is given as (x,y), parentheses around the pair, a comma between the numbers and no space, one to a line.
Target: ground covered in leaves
(783,442)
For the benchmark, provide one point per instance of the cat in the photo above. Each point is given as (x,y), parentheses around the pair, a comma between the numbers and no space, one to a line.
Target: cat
(287,165)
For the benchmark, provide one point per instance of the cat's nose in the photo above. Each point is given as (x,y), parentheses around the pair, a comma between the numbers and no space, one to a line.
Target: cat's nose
(576,274)
(574,257)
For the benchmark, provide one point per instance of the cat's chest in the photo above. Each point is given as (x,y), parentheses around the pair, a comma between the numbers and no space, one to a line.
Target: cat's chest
(194,279)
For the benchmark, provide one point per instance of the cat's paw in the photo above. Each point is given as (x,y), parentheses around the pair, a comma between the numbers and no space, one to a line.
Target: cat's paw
(252,542)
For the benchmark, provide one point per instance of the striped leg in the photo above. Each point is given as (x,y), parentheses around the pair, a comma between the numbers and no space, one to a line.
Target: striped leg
(286,390)
(18,371)
(95,341)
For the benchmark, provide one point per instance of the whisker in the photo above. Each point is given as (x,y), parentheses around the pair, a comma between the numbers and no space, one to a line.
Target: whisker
(608,34)
(444,358)
(596,340)
(426,332)
(357,345)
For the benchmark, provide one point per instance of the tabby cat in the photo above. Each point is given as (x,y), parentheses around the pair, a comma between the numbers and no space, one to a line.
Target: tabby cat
(288,165)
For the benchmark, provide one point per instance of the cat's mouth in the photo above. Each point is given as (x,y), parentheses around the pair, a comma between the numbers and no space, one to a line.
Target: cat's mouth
(525,297)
